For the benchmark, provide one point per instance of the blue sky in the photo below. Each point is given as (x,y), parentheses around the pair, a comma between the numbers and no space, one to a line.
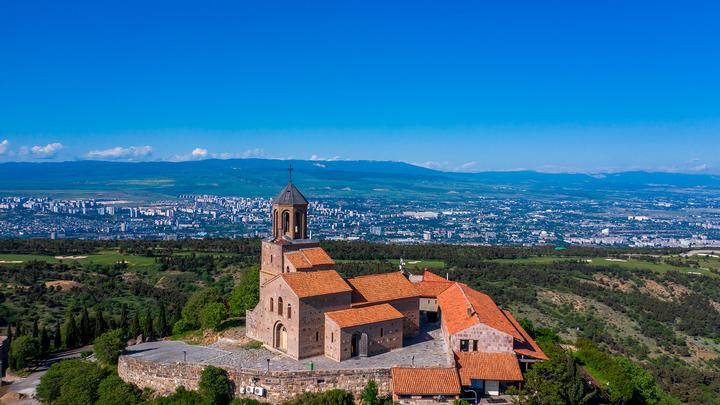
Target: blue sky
(553,86)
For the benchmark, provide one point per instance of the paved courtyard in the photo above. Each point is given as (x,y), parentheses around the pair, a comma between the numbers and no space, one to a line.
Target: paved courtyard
(426,350)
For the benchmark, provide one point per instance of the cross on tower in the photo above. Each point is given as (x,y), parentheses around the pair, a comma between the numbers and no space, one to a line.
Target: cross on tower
(290,170)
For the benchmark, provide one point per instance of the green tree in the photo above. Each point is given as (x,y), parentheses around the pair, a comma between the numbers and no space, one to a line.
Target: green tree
(215,385)
(71,382)
(193,308)
(71,337)
(23,351)
(246,293)
(162,323)
(134,328)
(35,329)
(100,324)
(182,396)
(84,326)
(148,330)
(57,337)
(114,391)
(44,341)
(123,322)
(369,395)
(212,315)
(109,346)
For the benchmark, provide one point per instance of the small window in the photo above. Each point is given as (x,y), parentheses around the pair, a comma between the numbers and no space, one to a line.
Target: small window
(381,332)
(271,257)
(272,304)
(475,345)
(280,306)
(317,336)
(289,311)
(464,345)
(332,337)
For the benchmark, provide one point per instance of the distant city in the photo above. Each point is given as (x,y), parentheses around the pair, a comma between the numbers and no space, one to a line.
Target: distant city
(673,221)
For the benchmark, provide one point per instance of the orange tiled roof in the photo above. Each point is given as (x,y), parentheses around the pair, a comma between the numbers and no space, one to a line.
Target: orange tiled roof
(381,288)
(431,289)
(425,381)
(307,258)
(430,276)
(487,366)
(527,346)
(364,315)
(314,283)
(463,307)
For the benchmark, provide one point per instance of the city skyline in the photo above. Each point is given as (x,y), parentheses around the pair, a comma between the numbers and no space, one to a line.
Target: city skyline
(468,87)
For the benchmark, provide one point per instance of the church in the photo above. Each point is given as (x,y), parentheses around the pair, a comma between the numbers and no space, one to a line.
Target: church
(307,309)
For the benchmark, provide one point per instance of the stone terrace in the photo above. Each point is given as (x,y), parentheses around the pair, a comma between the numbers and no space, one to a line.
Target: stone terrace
(426,350)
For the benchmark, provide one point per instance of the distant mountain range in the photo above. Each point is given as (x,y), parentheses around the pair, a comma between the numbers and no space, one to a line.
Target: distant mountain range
(324,179)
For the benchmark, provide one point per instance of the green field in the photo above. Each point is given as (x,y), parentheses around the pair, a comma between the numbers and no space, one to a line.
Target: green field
(102,257)
(661,267)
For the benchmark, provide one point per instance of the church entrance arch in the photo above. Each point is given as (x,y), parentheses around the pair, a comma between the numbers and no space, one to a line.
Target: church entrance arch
(359,345)
(280,337)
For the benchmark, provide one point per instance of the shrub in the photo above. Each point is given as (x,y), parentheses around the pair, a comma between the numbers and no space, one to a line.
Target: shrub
(180,327)
(212,315)
(71,382)
(182,397)
(22,351)
(215,385)
(246,294)
(114,391)
(195,304)
(109,346)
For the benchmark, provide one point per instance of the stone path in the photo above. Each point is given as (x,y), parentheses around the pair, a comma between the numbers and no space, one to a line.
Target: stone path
(426,350)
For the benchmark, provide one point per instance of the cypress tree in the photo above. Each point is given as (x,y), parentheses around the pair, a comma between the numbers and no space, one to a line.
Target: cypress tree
(148,325)
(85,331)
(71,335)
(9,335)
(135,325)
(35,329)
(123,322)
(19,329)
(57,338)
(162,326)
(44,341)
(100,325)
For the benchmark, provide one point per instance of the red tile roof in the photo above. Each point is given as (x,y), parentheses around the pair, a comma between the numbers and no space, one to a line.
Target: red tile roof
(430,276)
(432,285)
(381,288)
(308,258)
(526,346)
(463,307)
(487,366)
(425,381)
(364,315)
(314,283)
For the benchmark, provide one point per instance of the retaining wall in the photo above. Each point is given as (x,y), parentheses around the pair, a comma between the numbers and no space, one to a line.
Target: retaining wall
(279,385)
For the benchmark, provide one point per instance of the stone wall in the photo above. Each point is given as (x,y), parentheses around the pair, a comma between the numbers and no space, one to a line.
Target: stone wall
(279,385)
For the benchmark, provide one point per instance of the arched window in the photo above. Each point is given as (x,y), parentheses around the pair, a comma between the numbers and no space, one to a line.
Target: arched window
(280,306)
(332,337)
(381,332)
(317,336)
(275,222)
(272,306)
(285,222)
(289,311)
(298,221)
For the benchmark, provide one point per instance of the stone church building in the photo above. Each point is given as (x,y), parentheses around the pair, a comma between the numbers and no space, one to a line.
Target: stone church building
(307,309)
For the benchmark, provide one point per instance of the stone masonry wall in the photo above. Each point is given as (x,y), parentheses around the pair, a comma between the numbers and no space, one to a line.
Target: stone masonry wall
(279,385)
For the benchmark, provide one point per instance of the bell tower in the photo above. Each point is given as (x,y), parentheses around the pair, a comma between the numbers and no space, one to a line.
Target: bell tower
(289,213)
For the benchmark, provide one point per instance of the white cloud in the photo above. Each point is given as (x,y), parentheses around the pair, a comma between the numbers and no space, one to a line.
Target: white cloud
(433,165)
(120,152)
(315,157)
(467,167)
(199,153)
(202,153)
(4,147)
(45,152)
